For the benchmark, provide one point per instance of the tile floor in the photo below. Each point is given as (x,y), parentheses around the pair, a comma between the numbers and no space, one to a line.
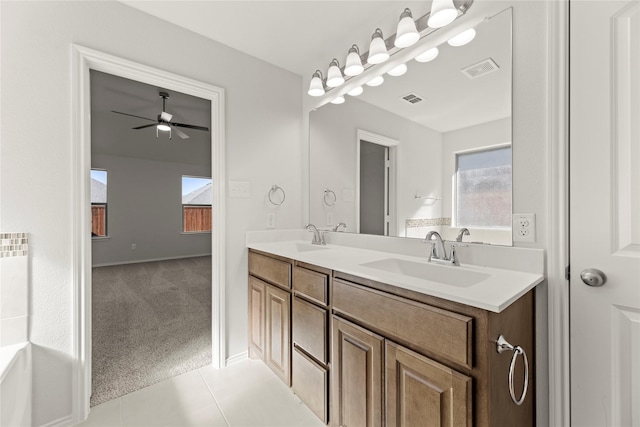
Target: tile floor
(245,394)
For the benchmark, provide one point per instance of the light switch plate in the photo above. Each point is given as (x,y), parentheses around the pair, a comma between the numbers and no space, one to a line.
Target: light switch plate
(239,189)
(524,228)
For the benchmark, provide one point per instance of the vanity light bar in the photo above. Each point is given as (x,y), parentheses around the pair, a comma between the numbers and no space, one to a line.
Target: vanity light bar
(423,29)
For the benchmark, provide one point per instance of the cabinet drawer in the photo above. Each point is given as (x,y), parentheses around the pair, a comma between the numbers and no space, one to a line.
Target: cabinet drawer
(270,269)
(310,329)
(311,284)
(419,326)
(311,384)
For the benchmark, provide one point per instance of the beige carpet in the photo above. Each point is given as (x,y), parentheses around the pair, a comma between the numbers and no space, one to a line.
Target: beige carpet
(151,322)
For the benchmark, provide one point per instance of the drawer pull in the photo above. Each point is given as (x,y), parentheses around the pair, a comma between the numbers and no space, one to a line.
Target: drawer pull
(502,346)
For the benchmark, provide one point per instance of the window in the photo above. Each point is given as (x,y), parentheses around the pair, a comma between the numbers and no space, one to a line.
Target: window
(197,195)
(483,188)
(98,203)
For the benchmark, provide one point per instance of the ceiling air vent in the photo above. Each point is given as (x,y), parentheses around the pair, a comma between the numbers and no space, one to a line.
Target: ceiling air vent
(412,98)
(483,67)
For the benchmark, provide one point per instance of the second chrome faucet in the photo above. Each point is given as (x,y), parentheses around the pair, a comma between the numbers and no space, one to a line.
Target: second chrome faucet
(318,238)
(438,252)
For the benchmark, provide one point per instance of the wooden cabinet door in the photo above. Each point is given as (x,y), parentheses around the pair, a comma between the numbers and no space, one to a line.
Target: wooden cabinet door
(278,327)
(356,389)
(256,318)
(422,392)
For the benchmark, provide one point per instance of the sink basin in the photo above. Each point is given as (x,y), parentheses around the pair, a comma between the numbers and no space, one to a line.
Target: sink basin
(450,275)
(304,247)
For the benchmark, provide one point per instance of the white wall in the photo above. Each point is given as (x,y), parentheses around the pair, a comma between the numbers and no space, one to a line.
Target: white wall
(144,207)
(332,131)
(263,133)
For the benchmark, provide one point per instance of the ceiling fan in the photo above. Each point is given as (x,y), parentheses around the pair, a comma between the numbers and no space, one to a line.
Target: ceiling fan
(163,122)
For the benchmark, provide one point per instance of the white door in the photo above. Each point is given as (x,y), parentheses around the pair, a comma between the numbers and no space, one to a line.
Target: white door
(605,212)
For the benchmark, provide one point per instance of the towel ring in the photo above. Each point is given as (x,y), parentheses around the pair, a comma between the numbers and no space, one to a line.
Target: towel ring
(275,189)
(329,197)
(502,346)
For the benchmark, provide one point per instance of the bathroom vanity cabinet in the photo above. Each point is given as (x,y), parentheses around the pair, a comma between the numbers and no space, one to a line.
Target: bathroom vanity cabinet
(270,312)
(366,353)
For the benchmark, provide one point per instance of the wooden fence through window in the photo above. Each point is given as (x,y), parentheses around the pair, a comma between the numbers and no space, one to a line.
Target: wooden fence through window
(196,218)
(99,220)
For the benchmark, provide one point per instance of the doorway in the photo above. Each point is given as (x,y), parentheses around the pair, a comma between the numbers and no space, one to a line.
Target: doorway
(151,204)
(375,184)
(84,60)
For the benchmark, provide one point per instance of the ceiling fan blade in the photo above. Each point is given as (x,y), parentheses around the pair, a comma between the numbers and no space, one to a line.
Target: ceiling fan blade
(133,115)
(144,126)
(180,133)
(182,125)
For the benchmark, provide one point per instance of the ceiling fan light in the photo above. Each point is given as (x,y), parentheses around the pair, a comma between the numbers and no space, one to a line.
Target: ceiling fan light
(376,81)
(462,38)
(338,100)
(428,55)
(164,127)
(377,49)
(398,71)
(353,65)
(316,87)
(356,91)
(407,33)
(443,12)
(334,75)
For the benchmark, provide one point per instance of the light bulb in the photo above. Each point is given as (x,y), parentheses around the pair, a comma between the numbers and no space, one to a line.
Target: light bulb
(334,75)
(356,91)
(443,12)
(428,55)
(377,49)
(376,81)
(338,100)
(398,71)
(407,33)
(462,38)
(164,127)
(316,87)
(353,65)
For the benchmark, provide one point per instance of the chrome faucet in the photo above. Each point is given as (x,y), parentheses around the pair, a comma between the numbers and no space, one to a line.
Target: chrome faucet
(318,238)
(337,227)
(463,232)
(438,252)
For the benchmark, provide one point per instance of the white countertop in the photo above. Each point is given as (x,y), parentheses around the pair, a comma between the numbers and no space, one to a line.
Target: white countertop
(494,292)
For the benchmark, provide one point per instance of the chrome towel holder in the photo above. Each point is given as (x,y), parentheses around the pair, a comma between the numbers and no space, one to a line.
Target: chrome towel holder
(331,197)
(275,189)
(502,346)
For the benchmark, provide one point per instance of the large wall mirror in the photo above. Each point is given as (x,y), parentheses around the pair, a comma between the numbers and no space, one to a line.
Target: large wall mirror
(429,150)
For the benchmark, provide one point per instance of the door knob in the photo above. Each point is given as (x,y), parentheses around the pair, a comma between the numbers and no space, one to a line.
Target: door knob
(593,277)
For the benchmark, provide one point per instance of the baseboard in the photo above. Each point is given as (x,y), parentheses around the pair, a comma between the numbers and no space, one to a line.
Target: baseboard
(237,358)
(109,264)
(60,422)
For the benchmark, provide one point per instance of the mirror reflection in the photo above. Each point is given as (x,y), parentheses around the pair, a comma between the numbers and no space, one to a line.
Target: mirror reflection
(430,150)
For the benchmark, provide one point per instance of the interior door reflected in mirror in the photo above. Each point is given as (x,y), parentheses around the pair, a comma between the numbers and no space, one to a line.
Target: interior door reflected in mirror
(449,164)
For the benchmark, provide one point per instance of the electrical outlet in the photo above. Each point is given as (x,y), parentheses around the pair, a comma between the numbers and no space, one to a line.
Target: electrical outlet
(329,218)
(271,220)
(524,228)
(133,246)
